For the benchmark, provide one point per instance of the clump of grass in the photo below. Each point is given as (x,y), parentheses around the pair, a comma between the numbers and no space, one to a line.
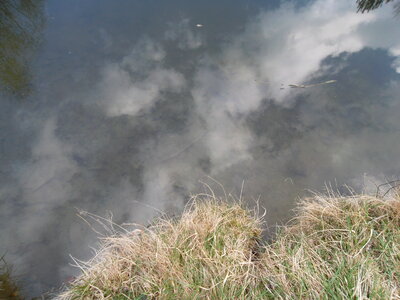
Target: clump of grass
(208,252)
(336,248)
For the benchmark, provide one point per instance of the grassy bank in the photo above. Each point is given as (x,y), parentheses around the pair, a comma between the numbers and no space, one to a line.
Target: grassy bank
(336,248)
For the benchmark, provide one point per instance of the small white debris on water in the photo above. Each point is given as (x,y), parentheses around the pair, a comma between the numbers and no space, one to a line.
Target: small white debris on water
(302,86)
(199,25)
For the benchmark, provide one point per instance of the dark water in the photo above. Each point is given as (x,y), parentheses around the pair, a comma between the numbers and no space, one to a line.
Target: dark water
(123,107)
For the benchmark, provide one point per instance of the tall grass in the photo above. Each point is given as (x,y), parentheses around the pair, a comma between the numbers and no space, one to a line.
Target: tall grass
(336,248)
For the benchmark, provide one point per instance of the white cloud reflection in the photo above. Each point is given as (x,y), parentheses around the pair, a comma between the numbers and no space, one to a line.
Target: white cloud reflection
(287,45)
(124,94)
(279,47)
(223,90)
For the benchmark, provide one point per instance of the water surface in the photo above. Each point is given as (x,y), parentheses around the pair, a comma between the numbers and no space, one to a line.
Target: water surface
(124,107)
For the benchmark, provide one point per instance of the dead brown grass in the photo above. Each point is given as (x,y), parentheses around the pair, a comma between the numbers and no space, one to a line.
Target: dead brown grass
(336,248)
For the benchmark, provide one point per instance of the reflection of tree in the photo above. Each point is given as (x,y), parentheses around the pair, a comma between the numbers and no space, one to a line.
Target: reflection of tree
(367,5)
(20,26)
(8,288)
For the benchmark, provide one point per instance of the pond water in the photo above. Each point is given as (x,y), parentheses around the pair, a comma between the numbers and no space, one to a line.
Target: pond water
(126,107)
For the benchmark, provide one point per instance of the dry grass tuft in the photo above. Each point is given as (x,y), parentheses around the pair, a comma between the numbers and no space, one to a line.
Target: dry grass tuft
(336,248)
(208,253)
